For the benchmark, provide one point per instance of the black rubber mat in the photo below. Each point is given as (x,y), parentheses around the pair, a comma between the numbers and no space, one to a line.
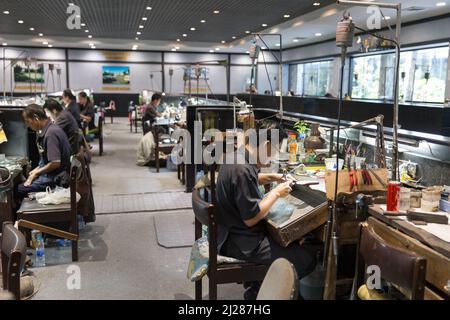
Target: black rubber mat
(175,230)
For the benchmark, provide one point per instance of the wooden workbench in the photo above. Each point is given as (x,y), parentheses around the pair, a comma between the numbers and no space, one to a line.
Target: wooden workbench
(404,234)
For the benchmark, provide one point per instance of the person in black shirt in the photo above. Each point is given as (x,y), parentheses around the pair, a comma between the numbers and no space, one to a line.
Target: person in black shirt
(71,105)
(64,119)
(151,113)
(54,152)
(241,212)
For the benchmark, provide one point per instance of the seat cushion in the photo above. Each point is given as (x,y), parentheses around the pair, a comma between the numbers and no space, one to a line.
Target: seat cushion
(32,206)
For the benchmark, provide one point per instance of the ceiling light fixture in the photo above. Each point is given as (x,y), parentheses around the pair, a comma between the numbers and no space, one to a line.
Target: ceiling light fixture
(31,29)
(50,46)
(45,43)
(184,35)
(247,51)
(178,48)
(91,44)
(277,44)
(233,37)
(93,47)
(387,18)
(264,25)
(223,41)
(440,4)
(6,12)
(149,8)
(83,24)
(216,11)
(89,36)
(20,21)
(71,4)
(202,21)
(318,34)
(40,34)
(87,31)
(138,33)
(173,49)
(137,38)
(296,40)
(144,18)
(178,40)
(287,16)
(4,44)
(192,29)
(211,51)
(217,49)
(247,32)
(316,4)
(141,27)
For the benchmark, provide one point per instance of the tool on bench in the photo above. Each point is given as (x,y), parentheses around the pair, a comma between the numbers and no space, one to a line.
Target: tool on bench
(417,216)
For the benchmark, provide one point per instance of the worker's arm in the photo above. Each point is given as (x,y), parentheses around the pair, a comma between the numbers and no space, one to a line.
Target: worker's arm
(35,173)
(281,191)
(266,178)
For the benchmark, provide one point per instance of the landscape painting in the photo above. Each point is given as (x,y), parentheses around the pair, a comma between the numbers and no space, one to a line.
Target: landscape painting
(116,75)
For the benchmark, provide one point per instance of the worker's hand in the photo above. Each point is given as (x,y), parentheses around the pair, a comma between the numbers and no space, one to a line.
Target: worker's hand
(283,189)
(289,178)
(30,179)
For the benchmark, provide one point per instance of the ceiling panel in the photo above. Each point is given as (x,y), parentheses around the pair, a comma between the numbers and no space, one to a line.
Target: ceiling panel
(168,19)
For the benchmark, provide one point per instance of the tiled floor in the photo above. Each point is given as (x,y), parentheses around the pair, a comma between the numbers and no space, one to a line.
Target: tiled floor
(119,254)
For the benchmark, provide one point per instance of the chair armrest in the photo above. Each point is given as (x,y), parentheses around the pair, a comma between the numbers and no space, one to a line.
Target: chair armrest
(48,230)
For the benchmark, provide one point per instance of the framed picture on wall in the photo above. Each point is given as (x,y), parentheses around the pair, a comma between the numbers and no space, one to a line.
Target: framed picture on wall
(116,75)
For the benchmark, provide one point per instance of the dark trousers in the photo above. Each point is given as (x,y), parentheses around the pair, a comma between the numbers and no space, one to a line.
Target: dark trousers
(301,256)
(38,185)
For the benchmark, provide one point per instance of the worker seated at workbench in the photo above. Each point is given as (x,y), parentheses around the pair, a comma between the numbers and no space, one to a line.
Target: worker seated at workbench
(242,209)
(54,153)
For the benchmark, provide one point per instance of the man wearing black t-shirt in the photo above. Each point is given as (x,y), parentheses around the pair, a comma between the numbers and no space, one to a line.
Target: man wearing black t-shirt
(241,212)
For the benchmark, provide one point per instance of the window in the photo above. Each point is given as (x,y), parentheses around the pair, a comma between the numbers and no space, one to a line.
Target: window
(423,74)
(310,79)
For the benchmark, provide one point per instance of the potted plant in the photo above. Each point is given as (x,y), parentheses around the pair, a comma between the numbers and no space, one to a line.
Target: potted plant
(301,126)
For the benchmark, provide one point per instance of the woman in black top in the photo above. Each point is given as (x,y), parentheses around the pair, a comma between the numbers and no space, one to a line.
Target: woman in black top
(71,105)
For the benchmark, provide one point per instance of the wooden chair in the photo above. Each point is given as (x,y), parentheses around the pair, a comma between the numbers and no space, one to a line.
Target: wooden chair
(13,259)
(32,211)
(280,283)
(404,269)
(219,273)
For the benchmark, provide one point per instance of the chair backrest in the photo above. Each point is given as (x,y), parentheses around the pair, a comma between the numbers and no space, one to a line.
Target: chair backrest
(75,171)
(201,208)
(280,283)
(398,266)
(13,258)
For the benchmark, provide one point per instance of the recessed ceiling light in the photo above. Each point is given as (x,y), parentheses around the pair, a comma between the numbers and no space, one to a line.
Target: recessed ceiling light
(202,21)
(45,43)
(223,41)
(149,8)
(264,25)
(216,11)
(247,32)
(296,40)
(93,47)
(134,49)
(287,16)
(4,44)
(233,37)
(247,51)
(91,44)
(277,44)
(211,51)
(178,40)
(178,48)
(440,4)
(192,29)
(87,31)
(141,27)
(89,36)
(138,33)
(40,34)
(31,29)
(144,18)
(217,49)
(6,12)
(71,4)
(137,38)
(50,46)
(316,4)
(173,49)
(318,34)
(184,35)
(83,24)
(20,21)
(387,18)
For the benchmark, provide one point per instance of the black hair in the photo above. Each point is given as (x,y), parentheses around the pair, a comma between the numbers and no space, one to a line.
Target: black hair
(83,94)
(53,105)
(35,111)
(268,127)
(156,96)
(68,93)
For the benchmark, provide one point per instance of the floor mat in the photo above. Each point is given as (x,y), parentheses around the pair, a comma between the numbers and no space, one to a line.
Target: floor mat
(142,202)
(175,230)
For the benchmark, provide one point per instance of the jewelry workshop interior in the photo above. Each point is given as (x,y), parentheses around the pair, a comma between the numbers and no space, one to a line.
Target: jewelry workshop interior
(225,150)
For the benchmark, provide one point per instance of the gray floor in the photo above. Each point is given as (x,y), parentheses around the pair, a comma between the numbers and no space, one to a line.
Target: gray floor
(119,254)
